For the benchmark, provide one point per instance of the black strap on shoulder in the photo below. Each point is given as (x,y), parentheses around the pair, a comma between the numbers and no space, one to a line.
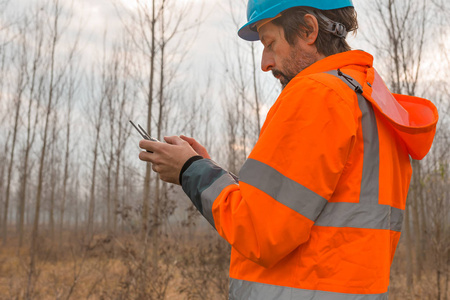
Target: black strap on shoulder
(348,80)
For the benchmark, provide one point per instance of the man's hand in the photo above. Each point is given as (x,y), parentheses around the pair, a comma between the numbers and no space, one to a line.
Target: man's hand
(196,146)
(167,159)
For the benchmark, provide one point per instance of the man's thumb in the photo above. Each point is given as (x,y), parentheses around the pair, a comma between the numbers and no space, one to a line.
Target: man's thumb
(190,140)
(173,140)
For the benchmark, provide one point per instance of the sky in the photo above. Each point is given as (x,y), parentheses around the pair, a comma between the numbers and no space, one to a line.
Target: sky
(206,48)
(98,16)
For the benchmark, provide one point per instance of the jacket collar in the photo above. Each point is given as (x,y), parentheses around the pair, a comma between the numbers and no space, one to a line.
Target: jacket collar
(340,60)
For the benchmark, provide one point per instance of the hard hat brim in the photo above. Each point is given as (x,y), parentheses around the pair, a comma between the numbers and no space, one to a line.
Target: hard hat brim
(249,33)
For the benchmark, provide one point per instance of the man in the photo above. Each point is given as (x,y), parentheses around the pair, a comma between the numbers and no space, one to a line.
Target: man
(317,209)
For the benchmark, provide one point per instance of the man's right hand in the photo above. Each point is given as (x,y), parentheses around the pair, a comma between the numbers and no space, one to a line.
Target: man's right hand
(196,146)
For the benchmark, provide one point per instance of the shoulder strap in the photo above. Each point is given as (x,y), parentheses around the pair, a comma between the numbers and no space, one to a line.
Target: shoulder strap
(348,80)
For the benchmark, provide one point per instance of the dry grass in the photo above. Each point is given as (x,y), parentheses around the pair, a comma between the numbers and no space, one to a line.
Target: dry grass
(105,268)
(59,275)
(120,268)
(424,288)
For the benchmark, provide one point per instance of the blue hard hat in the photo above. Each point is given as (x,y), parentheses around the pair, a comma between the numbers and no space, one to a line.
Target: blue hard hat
(258,10)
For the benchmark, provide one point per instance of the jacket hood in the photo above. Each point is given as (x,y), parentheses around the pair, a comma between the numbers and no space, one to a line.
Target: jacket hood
(413,119)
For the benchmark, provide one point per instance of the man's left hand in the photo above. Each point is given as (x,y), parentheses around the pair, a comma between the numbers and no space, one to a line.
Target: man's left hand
(167,159)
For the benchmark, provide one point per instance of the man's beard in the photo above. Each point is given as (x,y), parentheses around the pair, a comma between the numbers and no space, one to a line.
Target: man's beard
(298,61)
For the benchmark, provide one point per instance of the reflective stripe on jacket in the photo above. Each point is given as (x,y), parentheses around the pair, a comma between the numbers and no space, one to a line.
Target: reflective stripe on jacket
(318,207)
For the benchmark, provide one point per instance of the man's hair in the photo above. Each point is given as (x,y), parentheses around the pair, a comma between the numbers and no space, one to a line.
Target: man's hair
(293,23)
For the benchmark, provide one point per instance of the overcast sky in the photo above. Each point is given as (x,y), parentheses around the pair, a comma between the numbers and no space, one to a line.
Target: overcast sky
(96,16)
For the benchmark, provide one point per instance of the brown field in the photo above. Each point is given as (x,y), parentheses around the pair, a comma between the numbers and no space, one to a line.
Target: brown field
(114,268)
(120,268)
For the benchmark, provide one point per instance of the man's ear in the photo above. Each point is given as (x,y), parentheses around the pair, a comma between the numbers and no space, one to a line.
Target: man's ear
(313,29)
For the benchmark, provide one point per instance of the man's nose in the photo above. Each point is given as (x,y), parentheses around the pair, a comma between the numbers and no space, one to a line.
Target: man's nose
(267,61)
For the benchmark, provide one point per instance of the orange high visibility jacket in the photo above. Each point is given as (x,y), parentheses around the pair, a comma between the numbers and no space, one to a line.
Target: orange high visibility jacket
(318,207)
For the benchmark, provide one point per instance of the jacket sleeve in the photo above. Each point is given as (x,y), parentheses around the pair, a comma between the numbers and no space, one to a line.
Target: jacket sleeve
(287,180)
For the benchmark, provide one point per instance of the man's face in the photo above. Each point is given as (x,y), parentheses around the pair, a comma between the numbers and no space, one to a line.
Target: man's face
(285,61)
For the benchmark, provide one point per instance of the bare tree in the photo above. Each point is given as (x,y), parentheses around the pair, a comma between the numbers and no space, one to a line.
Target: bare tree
(124,130)
(436,191)
(54,41)
(195,112)
(142,30)
(3,116)
(54,81)
(3,169)
(244,99)
(18,98)
(97,121)
(116,88)
(109,89)
(34,93)
(70,99)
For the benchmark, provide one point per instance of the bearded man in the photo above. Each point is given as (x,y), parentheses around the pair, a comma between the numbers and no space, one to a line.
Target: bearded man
(316,212)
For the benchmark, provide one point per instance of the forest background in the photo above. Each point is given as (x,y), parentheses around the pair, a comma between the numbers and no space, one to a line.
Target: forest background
(82,218)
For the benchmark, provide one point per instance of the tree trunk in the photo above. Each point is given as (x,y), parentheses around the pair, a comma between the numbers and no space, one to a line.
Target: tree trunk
(31,133)
(147,179)
(90,222)
(2,176)
(108,191)
(18,103)
(415,201)
(409,252)
(255,90)
(35,232)
(53,166)
(66,165)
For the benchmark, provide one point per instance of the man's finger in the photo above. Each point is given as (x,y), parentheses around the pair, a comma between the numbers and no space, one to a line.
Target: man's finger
(148,145)
(146,156)
(173,140)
